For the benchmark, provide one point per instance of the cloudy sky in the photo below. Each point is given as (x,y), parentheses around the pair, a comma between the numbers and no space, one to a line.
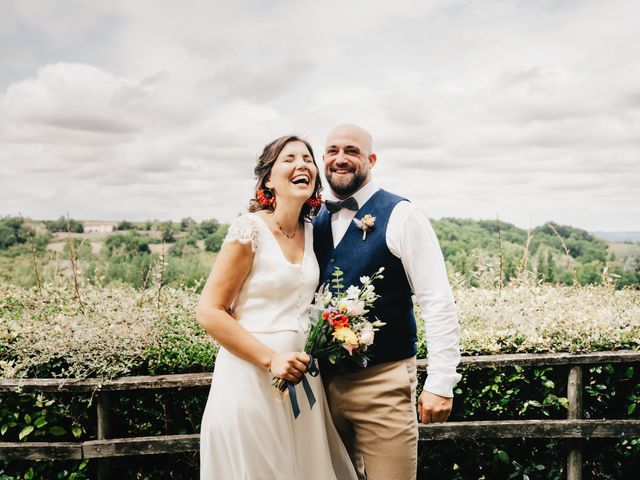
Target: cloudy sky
(157,109)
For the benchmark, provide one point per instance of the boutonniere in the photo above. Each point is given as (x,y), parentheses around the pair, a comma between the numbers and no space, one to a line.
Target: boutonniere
(365,224)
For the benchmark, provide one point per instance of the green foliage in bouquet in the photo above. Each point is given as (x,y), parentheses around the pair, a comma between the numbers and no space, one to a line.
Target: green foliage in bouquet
(338,326)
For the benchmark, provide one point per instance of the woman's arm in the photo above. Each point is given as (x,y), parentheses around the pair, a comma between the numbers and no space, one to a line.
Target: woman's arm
(229,272)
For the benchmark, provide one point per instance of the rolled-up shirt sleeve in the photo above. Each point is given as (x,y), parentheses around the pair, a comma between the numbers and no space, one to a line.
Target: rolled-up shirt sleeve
(411,238)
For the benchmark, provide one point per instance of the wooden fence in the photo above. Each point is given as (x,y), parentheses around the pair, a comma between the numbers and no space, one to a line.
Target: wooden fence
(573,429)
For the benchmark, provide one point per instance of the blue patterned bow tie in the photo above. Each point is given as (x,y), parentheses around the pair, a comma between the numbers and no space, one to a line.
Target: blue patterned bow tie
(350,203)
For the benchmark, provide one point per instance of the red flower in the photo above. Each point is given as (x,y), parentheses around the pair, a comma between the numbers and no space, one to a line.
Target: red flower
(340,321)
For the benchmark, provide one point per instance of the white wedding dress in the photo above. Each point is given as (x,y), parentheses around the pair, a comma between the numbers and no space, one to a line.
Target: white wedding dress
(248,432)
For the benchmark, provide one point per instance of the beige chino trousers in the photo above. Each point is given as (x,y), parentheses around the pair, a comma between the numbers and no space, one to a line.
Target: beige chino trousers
(375,414)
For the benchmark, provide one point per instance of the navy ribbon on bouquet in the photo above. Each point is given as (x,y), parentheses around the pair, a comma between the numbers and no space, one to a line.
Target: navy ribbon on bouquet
(313,371)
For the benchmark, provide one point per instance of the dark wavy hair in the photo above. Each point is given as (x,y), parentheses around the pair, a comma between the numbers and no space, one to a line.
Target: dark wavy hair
(263,169)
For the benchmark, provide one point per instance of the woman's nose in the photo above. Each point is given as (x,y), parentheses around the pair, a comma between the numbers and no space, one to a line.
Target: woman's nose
(300,163)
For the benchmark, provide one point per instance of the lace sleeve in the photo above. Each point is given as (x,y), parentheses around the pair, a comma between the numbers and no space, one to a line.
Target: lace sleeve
(243,230)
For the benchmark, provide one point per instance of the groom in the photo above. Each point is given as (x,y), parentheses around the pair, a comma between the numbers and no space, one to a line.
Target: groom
(374,408)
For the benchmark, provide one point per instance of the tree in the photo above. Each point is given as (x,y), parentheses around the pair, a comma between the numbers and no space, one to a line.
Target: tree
(7,236)
(125,225)
(541,267)
(167,232)
(13,231)
(550,273)
(61,225)
(185,223)
(182,246)
(213,242)
(207,227)
(590,273)
(510,267)
(128,246)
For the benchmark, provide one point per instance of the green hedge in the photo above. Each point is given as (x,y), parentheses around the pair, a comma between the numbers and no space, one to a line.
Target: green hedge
(127,332)
(612,391)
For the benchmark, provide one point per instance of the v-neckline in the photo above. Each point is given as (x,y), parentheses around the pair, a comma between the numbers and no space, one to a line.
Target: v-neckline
(273,236)
(351,222)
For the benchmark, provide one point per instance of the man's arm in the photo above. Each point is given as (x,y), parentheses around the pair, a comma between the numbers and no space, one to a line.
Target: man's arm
(413,240)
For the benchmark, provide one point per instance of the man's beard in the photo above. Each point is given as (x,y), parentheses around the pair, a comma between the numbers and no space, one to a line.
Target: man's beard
(352,186)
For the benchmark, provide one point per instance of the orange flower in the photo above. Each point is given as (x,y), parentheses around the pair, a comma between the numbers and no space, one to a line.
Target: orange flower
(340,321)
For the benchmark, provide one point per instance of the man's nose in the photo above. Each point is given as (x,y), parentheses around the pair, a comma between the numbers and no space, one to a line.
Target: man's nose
(341,158)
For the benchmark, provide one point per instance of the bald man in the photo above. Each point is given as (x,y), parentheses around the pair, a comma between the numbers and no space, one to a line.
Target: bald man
(374,407)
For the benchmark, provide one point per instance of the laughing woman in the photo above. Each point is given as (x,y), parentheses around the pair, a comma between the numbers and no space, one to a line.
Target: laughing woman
(266,274)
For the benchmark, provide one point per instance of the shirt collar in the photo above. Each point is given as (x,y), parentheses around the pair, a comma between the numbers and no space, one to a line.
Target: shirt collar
(361,196)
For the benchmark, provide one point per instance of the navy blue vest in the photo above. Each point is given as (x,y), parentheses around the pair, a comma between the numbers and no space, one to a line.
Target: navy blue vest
(357,257)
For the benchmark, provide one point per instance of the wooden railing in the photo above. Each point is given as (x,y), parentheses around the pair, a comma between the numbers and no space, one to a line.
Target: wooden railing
(573,429)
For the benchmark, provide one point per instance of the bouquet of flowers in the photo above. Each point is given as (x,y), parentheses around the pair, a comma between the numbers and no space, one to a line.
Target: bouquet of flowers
(338,327)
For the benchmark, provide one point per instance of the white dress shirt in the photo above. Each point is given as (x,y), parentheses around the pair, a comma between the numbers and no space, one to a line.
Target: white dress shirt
(411,238)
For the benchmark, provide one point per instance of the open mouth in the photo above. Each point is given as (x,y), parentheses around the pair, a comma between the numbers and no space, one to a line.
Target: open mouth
(302,179)
(342,171)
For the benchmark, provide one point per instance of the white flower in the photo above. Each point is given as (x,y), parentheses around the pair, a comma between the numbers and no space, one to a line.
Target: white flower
(370,294)
(367,334)
(326,297)
(356,308)
(364,279)
(353,292)
(351,307)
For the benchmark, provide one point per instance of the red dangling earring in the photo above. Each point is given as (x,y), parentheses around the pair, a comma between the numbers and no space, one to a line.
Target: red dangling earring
(314,202)
(263,199)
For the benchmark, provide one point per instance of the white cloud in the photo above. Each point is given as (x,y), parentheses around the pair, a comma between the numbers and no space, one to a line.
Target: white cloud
(156,110)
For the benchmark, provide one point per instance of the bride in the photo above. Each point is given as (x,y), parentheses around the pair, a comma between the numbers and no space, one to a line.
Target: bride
(254,304)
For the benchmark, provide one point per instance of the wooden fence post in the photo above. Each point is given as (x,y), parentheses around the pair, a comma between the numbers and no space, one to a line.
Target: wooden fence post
(103,408)
(574,445)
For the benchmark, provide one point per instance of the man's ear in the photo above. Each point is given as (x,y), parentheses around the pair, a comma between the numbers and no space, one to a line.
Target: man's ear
(372,159)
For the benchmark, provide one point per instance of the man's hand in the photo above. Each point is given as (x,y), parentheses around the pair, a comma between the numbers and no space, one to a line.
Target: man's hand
(433,408)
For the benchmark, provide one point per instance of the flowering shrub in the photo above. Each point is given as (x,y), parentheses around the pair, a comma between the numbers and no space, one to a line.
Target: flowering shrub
(544,318)
(116,332)
(122,331)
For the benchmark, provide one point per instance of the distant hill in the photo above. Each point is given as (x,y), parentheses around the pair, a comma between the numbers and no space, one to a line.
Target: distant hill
(478,253)
(556,253)
(465,235)
(618,237)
